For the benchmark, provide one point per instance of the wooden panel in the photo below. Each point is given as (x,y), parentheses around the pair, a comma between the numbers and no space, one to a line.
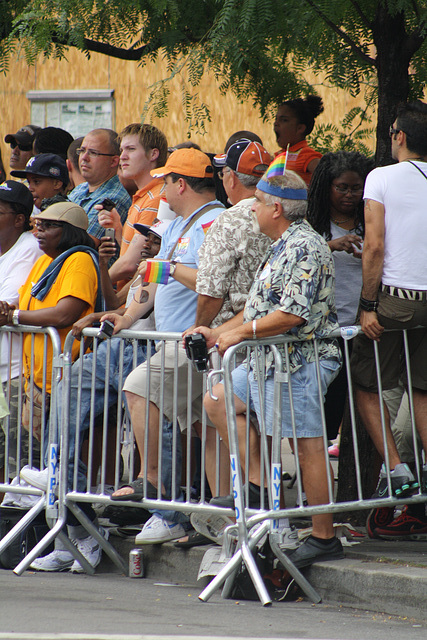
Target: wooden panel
(131,84)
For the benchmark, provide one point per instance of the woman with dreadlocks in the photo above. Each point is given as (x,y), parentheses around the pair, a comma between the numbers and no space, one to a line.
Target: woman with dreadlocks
(335,210)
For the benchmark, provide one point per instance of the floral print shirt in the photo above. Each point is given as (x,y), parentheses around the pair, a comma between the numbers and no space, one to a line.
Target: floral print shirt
(298,277)
(229,258)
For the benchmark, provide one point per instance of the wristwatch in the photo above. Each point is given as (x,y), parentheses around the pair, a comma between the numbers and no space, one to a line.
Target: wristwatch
(15,317)
(172,267)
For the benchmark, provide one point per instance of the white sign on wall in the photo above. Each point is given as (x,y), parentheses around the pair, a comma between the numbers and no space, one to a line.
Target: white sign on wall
(78,112)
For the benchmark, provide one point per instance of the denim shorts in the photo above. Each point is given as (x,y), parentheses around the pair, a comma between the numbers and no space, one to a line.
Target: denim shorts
(305,396)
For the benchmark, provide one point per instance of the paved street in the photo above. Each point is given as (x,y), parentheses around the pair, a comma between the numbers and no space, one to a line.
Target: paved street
(107,606)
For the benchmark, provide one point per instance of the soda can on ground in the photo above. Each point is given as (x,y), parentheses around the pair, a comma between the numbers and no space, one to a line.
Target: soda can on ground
(136,564)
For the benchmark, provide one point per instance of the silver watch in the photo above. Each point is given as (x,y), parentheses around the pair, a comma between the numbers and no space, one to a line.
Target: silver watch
(15,317)
(172,267)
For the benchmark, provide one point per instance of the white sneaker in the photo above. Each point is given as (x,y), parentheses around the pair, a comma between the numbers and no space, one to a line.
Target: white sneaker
(211,526)
(90,549)
(157,530)
(58,560)
(34,477)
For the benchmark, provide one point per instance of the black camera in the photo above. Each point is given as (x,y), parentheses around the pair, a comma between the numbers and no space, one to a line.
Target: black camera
(197,351)
(106,329)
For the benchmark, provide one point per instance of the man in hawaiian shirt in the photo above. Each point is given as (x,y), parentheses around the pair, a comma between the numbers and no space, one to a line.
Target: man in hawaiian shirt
(293,293)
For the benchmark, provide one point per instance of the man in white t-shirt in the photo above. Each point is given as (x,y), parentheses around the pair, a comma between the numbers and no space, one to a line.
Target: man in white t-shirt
(394,293)
(18,252)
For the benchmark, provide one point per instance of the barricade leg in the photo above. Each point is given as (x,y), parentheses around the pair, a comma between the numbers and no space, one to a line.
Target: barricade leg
(22,524)
(94,532)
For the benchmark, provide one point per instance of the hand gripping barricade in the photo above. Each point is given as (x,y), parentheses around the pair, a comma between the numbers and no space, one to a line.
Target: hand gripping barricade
(23,436)
(251,528)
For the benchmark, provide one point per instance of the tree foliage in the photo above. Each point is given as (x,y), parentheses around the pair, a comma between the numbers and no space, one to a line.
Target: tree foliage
(259,49)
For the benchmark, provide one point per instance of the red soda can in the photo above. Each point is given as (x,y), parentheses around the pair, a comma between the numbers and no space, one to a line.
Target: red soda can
(136,564)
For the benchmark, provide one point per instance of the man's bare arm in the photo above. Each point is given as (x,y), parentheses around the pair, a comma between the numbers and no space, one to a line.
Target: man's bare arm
(207,309)
(373,249)
(372,264)
(125,267)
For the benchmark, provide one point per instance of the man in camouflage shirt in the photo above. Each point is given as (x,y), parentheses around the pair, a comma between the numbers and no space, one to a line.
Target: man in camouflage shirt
(232,250)
(293,293)
(229,258)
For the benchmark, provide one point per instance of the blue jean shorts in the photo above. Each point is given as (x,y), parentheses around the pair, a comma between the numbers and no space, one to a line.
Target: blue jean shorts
(305,396)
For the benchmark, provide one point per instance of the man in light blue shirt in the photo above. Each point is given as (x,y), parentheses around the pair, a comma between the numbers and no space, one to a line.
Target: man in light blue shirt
(189,190)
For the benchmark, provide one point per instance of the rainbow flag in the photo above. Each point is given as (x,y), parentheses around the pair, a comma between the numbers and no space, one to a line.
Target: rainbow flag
(206,226)
(278,166)
(157,271)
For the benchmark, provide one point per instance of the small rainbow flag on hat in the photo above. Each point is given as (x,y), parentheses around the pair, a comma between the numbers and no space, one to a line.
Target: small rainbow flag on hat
(278,166)
(157,271)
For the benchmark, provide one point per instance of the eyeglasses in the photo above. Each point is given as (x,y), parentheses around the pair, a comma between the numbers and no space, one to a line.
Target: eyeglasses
(46,224)
(21,147)
(222,173)
(344,188)
(93,153)
(392,132)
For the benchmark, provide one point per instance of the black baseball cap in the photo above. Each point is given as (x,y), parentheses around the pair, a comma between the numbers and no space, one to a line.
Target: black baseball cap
(13,191)
(46,165)
(24,136)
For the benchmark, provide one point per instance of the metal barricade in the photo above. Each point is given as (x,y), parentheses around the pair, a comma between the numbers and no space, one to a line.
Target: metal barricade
(89,388)
(29,432)
(252,527)
(93,384)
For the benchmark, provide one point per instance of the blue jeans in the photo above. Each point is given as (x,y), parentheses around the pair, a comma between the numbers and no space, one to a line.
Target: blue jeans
(98,383)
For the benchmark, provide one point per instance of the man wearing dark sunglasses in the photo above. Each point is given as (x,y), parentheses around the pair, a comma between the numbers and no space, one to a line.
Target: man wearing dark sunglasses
(21,144)
(394,297)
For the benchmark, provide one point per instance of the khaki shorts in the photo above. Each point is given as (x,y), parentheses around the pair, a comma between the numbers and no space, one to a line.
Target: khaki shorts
(163,379)
(394,314)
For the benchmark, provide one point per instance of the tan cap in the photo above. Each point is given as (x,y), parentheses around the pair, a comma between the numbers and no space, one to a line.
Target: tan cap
(66,212)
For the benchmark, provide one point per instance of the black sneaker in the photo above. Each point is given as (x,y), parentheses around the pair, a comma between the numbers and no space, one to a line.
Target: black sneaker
(403,482)
(227,502)
(312,551)
(378,518)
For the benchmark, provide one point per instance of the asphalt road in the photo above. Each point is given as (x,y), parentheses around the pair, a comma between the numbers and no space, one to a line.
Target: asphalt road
(108,606)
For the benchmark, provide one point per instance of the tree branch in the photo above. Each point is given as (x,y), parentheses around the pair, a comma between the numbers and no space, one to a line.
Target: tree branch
(118,52)
(361,14)
(342,34)
(416,9)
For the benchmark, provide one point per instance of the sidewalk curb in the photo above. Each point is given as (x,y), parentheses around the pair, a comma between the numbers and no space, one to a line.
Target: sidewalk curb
(387,581)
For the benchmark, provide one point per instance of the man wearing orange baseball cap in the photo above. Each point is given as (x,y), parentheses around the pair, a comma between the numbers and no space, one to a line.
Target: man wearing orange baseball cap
(189,190)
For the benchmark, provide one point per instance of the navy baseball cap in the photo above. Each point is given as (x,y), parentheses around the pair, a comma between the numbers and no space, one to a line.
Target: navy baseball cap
(13,191)
(45,165)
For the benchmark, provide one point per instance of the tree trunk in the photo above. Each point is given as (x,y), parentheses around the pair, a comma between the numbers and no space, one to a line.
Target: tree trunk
(394,52)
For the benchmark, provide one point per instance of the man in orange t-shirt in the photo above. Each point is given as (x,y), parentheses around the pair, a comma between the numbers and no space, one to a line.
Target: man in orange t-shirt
(142,148)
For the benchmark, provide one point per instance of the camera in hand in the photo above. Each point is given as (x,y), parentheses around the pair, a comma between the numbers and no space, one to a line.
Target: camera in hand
(197,351)
(106,329)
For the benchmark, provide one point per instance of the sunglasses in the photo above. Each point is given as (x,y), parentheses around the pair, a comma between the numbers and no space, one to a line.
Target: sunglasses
(21,147)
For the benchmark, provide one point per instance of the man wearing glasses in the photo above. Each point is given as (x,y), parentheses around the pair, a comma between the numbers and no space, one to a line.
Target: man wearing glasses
(21,144)
(394,296)
(98,162)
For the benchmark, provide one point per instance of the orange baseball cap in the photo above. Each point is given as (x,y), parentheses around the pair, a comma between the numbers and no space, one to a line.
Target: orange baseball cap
(187,162)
